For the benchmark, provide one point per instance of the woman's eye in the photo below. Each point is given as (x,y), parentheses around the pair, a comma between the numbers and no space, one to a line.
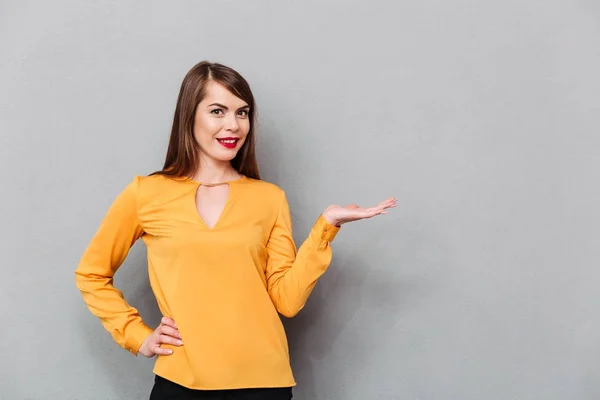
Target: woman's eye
(216,111)
(244,113)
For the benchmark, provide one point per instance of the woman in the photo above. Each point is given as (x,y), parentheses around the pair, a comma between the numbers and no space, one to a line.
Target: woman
(222,262)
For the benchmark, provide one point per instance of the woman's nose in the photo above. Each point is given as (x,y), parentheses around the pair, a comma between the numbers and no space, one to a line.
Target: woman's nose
(232,123)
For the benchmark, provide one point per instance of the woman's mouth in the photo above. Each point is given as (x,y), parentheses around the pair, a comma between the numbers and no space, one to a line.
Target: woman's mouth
(228,142)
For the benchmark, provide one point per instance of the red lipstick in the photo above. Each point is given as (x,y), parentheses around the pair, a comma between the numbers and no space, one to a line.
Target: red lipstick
(228,142)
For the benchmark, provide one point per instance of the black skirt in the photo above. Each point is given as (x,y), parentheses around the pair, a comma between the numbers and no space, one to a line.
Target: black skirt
(164,389)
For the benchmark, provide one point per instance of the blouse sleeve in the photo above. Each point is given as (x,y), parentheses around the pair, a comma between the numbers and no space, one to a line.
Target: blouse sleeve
(118,231)
(291,275)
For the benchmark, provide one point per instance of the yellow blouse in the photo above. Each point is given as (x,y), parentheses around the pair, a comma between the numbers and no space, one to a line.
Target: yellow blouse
(223,285)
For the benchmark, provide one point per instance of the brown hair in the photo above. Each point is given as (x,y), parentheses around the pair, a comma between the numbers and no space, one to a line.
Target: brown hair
(182,154)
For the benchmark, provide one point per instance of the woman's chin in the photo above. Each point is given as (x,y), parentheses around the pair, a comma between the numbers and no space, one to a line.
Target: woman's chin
(224,156)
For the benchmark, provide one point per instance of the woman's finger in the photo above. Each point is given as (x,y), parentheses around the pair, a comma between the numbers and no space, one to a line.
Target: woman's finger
(162,351)
(384,204)
(370,212)
(168,321)
(167,330)
(389,203)
(170,340)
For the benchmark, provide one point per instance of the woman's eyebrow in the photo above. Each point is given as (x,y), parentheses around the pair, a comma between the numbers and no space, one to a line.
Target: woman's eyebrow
(225,107)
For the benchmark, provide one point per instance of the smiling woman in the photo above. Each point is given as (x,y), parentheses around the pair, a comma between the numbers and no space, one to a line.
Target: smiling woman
(221,257)
(216,122)
(215,104)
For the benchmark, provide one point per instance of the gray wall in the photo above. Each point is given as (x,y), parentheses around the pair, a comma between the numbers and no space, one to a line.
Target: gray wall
(482,117)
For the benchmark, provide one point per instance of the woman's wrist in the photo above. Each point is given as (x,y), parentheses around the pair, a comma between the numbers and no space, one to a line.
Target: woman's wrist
(331,220)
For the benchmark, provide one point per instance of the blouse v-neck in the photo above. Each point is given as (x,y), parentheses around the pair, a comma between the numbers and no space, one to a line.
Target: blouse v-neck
(228,202)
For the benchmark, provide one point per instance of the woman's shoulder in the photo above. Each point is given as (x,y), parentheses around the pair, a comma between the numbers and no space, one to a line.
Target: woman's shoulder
(157,180)
(263,188)
(156,185)
(263,197)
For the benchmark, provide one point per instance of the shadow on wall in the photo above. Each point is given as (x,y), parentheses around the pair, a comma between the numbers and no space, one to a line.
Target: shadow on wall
(333,305)
(357,306)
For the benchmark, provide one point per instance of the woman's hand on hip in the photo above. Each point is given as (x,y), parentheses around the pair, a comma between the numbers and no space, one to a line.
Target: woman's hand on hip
(337,215)
(166,333)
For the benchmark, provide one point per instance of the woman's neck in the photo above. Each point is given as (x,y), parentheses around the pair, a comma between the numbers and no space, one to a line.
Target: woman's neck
(216,172)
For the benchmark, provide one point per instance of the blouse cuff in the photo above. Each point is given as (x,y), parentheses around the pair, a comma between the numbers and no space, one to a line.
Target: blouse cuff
(326,230)
(136,338)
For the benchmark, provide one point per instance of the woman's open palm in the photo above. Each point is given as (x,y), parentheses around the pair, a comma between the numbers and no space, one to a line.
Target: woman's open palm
(337,215)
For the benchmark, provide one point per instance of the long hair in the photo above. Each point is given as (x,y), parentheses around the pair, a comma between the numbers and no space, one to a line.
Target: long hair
(182,154)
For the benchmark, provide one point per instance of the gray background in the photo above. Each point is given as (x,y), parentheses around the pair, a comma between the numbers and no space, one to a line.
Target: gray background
(482,117)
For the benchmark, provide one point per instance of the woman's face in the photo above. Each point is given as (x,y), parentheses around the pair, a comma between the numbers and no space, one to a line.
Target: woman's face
(221,123)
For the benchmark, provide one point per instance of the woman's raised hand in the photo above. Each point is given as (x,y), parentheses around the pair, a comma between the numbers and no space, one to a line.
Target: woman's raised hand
(337,215)
(167,333)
